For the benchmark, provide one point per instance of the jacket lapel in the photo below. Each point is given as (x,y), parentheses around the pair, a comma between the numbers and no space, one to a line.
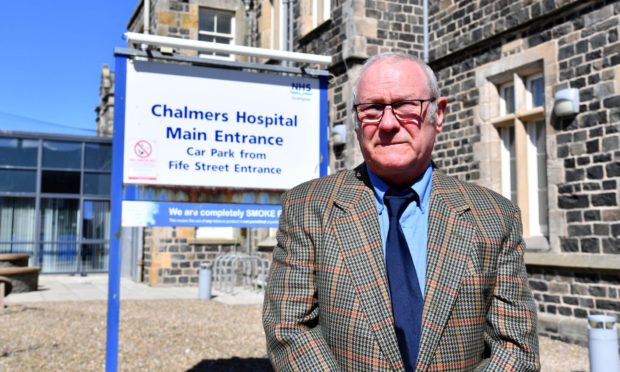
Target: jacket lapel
(356,227)
(450,238)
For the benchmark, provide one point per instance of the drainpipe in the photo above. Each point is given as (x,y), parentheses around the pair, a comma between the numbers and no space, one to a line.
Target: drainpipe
(287,25)
(147,16)
(425,5)
(290,26)
(249,11)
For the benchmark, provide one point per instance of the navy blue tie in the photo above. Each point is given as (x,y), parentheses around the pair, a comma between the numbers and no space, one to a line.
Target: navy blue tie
(407,300)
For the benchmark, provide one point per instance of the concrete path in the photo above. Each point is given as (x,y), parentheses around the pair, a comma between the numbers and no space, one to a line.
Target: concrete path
(95,287)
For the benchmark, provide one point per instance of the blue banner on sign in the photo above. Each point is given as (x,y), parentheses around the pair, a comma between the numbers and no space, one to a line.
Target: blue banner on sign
(152,213)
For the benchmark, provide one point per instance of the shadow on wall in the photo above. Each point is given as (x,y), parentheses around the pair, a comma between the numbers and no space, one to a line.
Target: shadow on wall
(233,365)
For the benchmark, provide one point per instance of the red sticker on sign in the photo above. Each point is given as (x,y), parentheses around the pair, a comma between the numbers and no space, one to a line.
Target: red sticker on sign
(143,149)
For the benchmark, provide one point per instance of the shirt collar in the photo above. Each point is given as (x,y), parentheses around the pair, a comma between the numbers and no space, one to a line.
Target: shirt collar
(422,186)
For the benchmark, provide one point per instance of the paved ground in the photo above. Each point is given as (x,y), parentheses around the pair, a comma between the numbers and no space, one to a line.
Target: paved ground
(219,335)
(53,288)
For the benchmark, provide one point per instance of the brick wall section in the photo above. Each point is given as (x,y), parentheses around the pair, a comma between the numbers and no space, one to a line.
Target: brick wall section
(589,54)
(587,145)
(359,29)
(176,18)
(578,294)
(457,25)
(147,253)
(574,294)
(186,259)
(589,59)
(105,108)
(463,39)
(399,25)
(464,36)
(150,249)
(341,157)
(453,152)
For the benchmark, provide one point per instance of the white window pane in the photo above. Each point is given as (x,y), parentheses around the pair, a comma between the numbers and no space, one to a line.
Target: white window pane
(326,10)
(216,26)
(541,148)
(537,179)
(315,13)
(17,222)
(508,160)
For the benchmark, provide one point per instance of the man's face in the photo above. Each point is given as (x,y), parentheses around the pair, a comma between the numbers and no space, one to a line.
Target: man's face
(397,152)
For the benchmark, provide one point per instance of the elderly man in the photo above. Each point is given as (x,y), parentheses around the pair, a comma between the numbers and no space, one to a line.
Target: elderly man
(394,265)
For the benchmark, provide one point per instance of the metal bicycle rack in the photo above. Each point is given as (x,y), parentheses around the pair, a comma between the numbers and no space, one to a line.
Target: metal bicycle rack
(239,270)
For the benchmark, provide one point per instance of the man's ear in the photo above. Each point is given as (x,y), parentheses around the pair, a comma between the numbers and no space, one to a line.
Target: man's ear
(442,102)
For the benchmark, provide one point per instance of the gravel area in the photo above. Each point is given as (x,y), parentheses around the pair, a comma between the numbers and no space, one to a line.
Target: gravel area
(163,335)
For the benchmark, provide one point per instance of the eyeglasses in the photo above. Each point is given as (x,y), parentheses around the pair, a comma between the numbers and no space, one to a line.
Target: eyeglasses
(405,111)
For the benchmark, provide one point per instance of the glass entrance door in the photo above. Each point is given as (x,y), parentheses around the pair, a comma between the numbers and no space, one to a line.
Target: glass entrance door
(59,235)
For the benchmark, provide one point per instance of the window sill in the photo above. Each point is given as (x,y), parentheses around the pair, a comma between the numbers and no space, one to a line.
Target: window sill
(315,32)
(537,243)
(606,262)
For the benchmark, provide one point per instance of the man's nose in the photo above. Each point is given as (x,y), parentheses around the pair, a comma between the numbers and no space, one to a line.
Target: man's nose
(388,121)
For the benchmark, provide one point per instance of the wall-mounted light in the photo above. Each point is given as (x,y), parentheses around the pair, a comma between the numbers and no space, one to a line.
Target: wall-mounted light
(566,102)
(339,134)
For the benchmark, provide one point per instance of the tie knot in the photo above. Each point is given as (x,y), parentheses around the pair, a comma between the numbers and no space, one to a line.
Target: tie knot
(397,201)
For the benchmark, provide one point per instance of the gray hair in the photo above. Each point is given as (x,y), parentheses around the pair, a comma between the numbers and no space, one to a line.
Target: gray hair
(431,79)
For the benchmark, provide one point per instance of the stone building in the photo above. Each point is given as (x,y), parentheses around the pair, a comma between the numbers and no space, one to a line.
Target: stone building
(501,64)
(105,108)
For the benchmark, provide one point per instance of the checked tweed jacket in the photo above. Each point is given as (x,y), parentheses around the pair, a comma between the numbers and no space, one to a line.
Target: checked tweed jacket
(327,303)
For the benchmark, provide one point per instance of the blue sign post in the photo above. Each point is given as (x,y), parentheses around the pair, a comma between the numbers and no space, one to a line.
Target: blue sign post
(210,138)
(114,271)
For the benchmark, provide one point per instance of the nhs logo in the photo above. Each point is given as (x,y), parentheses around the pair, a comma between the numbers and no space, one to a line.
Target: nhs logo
(301,88)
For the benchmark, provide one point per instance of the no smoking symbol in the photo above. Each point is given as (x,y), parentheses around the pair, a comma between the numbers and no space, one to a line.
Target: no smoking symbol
(143,149)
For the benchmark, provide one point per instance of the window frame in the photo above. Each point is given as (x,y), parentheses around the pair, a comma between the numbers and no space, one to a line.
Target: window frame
(516,61)
(508,160)
(314,13)
(215,34)
(536,226)
(516,174)
(322,8)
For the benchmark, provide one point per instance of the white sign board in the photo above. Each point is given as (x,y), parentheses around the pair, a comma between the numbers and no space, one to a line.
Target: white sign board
(198,126)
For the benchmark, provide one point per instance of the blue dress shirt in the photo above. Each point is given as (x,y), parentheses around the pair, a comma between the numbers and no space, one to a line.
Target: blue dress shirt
(413,222)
